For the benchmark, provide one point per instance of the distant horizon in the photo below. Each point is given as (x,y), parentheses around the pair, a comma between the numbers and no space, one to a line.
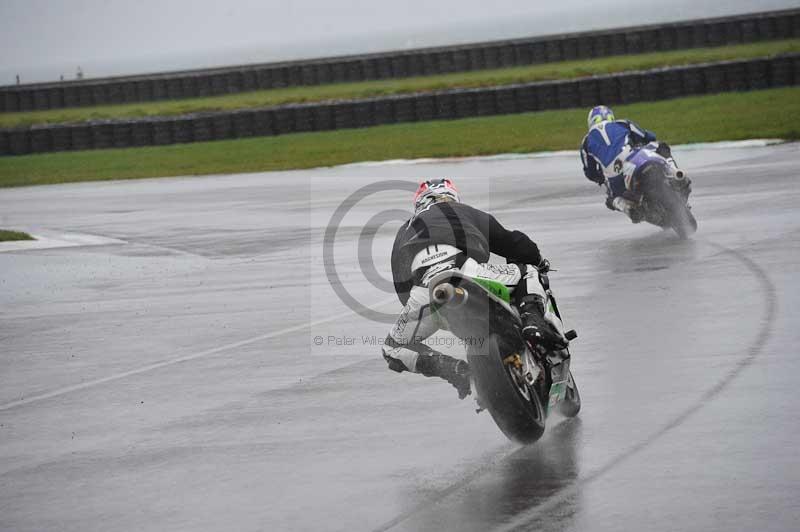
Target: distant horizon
(219,46)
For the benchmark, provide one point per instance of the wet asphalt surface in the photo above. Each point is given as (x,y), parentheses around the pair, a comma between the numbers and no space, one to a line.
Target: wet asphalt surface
(202,374)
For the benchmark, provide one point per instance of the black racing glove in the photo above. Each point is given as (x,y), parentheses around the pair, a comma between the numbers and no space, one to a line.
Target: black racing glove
(664,150)
(543,266)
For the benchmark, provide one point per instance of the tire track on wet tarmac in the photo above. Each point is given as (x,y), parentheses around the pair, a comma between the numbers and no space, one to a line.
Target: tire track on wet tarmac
(752,352)
(523,520)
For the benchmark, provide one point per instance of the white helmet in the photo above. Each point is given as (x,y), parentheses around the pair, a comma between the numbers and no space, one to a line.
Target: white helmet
(432,191)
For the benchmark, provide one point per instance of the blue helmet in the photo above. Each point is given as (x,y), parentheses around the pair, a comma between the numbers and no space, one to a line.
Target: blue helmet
(599,114)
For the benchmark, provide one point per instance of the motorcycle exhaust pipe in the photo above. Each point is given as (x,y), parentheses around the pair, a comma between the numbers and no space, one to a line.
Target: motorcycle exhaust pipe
(679,174)
(447,294)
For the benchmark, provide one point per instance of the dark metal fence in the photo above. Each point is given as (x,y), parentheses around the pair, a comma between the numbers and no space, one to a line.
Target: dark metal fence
(623,88)
(420,62)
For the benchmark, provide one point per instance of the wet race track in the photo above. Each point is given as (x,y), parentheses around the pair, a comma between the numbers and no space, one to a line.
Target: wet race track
(195,370)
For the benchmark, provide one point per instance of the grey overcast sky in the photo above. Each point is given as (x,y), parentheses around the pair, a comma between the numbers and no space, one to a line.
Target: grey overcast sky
(43,39)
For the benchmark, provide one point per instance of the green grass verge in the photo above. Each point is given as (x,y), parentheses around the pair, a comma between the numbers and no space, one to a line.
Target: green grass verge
(732,116)
(484,78)
(9,236)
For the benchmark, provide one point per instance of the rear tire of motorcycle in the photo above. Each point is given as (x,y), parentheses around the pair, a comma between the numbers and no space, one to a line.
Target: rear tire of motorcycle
(680,219)
(571,405)
(520,419)
(692,221)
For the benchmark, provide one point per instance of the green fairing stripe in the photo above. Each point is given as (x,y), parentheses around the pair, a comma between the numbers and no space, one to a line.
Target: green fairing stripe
(498,289)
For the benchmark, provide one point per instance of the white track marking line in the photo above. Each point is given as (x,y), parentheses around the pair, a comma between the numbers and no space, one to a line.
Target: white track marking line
(722,167)
(52,240)
(178,360)
(723,145)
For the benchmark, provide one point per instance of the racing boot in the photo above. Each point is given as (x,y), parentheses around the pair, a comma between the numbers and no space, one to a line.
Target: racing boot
(535,328)
(628,207)
(453,370)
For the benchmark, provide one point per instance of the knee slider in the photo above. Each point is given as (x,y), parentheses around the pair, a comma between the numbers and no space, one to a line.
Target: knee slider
(395,364)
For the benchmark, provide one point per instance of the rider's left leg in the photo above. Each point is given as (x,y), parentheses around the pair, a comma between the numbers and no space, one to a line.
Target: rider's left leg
(535,327)
(531,299)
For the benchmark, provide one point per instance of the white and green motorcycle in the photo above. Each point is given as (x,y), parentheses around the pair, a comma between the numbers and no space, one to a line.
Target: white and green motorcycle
(518,382)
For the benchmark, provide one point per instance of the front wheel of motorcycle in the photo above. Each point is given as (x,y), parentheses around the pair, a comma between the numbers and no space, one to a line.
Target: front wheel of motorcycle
(515,406)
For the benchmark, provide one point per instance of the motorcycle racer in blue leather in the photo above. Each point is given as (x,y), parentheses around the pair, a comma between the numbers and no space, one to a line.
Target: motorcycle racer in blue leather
(604,150)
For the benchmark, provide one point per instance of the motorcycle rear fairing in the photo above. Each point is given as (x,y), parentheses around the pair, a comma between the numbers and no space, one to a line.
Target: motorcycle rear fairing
(493,313)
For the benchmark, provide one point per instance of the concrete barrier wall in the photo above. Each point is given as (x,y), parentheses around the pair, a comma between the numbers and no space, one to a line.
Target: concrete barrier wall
(585,45)
(631,87)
